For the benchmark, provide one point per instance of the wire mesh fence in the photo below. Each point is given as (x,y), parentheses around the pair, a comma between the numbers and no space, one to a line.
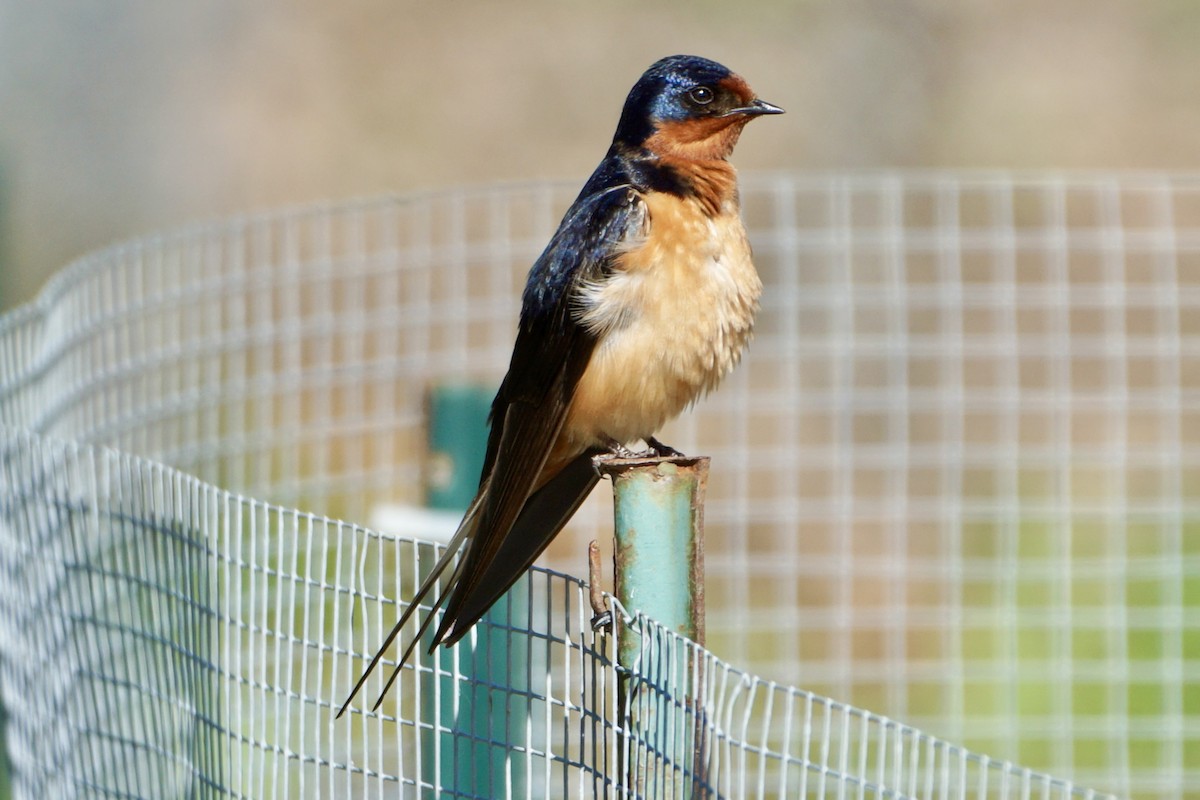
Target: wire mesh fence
(954,482)
(168,639)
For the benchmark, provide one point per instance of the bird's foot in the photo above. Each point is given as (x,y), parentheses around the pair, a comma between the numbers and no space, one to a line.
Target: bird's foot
(621,451)
(660,449)
(654,448)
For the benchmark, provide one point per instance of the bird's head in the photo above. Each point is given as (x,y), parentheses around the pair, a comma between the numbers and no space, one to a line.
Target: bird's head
(688,107)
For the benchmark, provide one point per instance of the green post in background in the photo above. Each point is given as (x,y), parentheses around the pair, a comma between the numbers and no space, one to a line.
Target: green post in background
(477,759)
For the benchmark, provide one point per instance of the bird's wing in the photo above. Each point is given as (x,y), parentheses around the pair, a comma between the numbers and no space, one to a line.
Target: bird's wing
(551,353)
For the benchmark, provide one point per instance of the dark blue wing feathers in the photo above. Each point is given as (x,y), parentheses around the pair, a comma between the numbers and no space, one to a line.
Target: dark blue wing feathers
(550,355)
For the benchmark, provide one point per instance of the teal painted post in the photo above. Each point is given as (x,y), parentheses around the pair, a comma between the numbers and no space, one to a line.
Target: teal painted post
(457,442)
(476,759)
(658,507)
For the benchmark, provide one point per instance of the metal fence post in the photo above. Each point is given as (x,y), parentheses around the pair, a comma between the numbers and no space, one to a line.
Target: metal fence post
(475,759)
(658,506)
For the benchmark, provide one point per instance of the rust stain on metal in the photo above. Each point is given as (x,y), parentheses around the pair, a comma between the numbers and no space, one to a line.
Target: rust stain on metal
(595,589)
(700,469)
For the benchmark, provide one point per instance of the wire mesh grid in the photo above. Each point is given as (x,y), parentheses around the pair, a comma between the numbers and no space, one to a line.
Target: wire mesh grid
(953,482)
(168,639)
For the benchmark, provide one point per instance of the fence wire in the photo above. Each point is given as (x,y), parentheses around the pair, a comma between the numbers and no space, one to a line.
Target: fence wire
(164,638)
(954,482)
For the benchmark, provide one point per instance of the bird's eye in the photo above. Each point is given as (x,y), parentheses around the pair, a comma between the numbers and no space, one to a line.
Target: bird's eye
(701,95)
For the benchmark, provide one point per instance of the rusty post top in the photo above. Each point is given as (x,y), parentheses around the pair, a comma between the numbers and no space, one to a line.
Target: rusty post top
(611,466)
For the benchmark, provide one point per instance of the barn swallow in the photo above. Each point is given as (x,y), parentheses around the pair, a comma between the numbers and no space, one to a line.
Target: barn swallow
(641,303)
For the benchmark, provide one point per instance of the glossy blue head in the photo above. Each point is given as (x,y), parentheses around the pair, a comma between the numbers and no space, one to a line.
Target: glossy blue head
(689,93)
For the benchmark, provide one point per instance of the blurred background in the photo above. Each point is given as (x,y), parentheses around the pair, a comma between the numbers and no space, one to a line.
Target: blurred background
(124,117)
(121,118)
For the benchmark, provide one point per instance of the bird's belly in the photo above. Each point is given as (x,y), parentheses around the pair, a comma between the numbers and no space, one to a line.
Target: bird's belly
(672,321)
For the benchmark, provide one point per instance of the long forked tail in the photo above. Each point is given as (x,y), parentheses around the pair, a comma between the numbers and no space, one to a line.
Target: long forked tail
(460,538)
(544,513)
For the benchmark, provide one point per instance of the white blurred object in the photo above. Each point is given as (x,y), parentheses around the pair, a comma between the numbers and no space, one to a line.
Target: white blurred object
(415,522)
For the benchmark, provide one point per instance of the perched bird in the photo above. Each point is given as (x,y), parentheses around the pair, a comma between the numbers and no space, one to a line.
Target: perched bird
(642,302)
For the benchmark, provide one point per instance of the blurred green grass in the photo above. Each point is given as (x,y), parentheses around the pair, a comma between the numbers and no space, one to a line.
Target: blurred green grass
(1099,647)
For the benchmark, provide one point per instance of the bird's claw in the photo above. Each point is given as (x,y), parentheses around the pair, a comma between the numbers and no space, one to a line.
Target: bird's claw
(654,449)
(662,450)
(621,451)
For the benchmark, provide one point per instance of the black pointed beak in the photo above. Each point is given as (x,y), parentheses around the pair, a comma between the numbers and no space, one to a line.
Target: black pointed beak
(756,109)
